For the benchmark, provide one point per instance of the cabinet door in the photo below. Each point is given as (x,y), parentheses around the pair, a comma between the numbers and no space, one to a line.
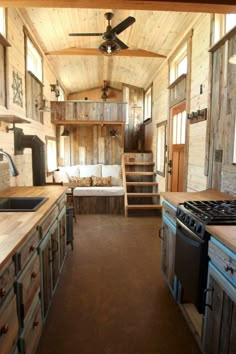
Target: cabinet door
(55,255)
(220,317)
(168,252)
(62,235)
(46,276)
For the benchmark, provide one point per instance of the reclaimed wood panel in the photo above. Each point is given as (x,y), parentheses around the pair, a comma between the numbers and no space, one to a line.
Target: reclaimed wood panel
(99,205)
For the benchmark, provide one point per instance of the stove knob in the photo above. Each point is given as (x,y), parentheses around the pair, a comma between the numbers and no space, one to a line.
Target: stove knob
(199,228)
(191,223)
(178,212)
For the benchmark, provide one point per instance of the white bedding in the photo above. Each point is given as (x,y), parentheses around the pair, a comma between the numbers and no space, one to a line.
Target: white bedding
(98,191)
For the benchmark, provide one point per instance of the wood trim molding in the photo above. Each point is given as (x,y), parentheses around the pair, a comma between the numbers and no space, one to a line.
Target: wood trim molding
(211,6)
(222,41)
(4,42)
(178,80)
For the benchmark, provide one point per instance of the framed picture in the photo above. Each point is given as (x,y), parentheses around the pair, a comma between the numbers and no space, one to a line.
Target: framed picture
(161,148)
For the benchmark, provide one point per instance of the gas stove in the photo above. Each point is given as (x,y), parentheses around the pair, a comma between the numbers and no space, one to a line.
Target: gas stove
(197,214)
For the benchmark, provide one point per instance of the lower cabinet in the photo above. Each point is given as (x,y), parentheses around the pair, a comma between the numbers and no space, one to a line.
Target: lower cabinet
(219,334)
(168,237)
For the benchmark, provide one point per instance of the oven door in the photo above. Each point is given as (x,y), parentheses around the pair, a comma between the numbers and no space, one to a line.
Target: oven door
(191,264)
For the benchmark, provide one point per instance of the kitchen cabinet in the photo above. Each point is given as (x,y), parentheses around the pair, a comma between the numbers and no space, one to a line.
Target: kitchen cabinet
(219,331)
(62,235)
(168,238)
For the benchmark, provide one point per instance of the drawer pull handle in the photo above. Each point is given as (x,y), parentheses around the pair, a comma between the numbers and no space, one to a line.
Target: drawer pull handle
(2,292)
(228,268)
(161,233)
(33,275)
(32,248)
(35,323)
(211,290)
(4,329)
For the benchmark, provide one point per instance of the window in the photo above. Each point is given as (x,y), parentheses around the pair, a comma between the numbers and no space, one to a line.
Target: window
(33,60)
(179,128)
(2,21)
(148,104)
(179,64)
(222,25)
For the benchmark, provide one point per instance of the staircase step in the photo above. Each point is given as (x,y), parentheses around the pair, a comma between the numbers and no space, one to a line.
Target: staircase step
(144,206)
(140,163)
(140,173)
(142,184)
(143,194)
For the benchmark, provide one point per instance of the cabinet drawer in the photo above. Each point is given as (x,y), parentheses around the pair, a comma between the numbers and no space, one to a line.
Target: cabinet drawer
(7,277)
(48,221)
(8,325)
(169,210)
(32,332)
(25,253)
(224,259)
(27,286)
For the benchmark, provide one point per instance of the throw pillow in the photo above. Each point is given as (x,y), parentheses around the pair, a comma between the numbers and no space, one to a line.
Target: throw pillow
(81,181)
(101,181)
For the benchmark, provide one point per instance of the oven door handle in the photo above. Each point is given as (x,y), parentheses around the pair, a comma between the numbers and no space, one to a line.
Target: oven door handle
(205,297)
(184,230)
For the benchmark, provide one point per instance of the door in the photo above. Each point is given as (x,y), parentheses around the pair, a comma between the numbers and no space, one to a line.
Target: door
(178,137)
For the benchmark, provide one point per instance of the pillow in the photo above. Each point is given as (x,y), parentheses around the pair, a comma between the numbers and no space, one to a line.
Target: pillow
(90,170)
(81,181)
(72,171)
(101,181)
(115,172)
(60,176)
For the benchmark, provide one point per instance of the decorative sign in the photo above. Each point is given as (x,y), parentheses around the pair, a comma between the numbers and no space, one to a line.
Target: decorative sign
(17,89)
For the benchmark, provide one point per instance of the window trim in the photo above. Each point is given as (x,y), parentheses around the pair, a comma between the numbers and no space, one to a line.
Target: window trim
(147,119)
(27,34)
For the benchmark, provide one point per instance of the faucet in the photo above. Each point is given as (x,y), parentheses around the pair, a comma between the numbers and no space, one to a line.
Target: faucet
(13,168)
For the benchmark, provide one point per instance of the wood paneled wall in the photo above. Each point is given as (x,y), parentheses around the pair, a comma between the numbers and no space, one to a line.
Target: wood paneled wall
(223,115)
(95,94)
(93,144)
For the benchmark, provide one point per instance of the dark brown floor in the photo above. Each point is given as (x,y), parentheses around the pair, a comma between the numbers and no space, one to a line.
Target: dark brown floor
(111,298)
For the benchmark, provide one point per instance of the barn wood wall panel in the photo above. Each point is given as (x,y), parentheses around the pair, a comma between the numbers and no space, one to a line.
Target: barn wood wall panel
(196,179)
(16,63)
(133,130)
(95,95)
(100,205)
(93,144)
(223,115)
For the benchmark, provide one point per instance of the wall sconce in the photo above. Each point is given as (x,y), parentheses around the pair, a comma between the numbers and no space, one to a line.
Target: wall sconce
(104,90)
(42,105)
(55,88)
(65,132)
(113,133)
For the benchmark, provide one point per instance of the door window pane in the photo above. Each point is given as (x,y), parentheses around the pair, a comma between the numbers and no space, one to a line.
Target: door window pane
(179,128)
(2,22)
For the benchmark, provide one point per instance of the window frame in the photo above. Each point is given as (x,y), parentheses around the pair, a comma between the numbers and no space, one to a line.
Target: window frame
(148,102)
(175,62)
(219,30)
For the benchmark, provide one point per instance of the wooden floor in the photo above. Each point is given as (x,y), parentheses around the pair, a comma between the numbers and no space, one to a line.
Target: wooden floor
(111,298)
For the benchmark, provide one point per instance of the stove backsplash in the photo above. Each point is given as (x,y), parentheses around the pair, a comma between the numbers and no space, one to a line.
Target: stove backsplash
(228,182)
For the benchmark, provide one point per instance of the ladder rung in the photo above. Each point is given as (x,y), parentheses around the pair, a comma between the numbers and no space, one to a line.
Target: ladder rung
(143,194)
(140,173)
(144,206)
(142,184)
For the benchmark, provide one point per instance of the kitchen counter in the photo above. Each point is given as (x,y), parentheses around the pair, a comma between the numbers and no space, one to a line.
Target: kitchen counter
(16,226)
(225,234)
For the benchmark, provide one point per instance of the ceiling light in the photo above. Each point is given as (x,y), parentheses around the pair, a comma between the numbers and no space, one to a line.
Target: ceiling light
(232,59)
(109,47)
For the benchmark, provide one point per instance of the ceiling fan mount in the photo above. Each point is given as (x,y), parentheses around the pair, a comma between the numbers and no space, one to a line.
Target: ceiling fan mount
(112,43)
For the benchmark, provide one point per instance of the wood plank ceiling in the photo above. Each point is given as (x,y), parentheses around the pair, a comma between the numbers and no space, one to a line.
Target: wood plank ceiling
(154,31)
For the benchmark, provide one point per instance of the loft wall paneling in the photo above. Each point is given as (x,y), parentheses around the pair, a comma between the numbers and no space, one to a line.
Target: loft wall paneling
(223,112)
(68,111)
(114,95)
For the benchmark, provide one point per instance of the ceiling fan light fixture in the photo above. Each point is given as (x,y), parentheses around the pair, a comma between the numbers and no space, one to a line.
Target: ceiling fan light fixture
(109,47)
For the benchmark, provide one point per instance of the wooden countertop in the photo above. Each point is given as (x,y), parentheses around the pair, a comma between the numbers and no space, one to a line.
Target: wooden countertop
(16,226)
(225,234)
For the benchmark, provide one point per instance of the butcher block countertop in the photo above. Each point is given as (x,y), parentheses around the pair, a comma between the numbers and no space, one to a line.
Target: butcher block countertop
(16,226)
(225,234)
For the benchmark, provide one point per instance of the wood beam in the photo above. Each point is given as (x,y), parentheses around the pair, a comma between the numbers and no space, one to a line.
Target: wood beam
(95,51)
(211,6)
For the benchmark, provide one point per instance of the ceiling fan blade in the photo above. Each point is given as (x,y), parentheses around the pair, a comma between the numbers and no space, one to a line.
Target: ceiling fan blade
(123,25)
(85,34)
(120,43)
(95,51)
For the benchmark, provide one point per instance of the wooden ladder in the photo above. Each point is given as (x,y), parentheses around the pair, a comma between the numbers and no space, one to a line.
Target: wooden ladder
(139,181)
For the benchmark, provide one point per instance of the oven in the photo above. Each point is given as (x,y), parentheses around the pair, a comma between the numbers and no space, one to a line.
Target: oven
(191,252)
(191,262)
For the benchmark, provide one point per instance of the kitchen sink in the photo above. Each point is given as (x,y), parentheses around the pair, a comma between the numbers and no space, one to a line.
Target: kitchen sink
(21,203)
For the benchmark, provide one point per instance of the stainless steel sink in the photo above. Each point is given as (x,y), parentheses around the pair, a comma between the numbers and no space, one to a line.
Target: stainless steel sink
(21,203)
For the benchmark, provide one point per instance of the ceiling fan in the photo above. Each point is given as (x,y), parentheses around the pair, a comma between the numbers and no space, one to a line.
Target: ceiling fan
(112,43)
